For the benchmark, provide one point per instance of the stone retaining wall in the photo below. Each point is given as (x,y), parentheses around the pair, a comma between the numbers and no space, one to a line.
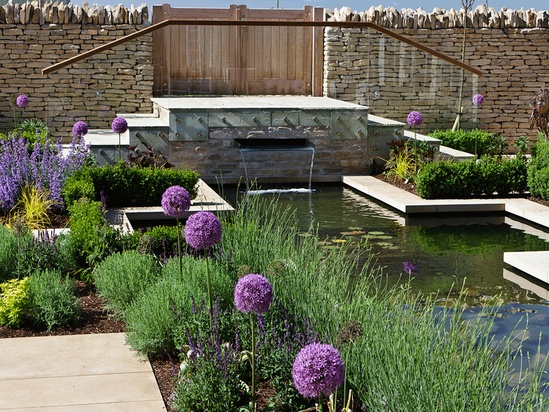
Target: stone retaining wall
(509,47)
(94,90)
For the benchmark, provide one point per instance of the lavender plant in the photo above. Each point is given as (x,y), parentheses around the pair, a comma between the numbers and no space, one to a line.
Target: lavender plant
(45,167)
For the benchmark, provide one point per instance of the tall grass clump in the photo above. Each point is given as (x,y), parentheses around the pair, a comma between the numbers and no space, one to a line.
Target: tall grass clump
(155,315)
(121,277)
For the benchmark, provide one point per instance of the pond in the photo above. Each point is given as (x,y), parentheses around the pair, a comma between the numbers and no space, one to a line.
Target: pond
(446,253)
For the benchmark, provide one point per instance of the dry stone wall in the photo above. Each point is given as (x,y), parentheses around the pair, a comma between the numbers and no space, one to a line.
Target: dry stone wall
(510,47)
(94,90)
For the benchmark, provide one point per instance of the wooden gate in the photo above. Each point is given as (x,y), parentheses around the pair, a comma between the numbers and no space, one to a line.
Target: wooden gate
(237,60)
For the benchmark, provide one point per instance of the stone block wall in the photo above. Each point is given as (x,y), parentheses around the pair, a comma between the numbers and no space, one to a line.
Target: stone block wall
(94,90)
(217,159)
(509,47)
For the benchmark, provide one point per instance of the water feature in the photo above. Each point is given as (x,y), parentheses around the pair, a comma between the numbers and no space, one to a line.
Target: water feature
(256,145)
(446,253)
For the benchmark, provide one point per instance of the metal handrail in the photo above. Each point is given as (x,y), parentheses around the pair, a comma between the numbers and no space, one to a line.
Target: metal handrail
(184,22)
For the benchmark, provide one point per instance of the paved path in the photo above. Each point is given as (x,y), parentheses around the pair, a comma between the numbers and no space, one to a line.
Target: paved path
(84,373)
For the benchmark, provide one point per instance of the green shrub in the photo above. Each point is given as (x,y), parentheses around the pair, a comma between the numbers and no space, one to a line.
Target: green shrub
(45,251)
(161,241)
(538,170)
(124,186)
(78,186)
(150,320)
(14,302)
(52,299)
(474,141)
(486,176)
(121,277)
(8,253)
(91,235)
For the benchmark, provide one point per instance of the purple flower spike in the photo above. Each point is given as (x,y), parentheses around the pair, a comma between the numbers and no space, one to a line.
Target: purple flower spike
(79,129)
(22,101)
(318,369)
(478,99)
(410,268)
(253,293)
(176,201)
(119,125)
(414,119)
(202,230)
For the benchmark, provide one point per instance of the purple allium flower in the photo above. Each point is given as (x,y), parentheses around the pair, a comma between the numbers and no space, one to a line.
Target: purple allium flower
(175,201)
(79,129)
(410,268)
(22,101)
(253,293)
(318,369)
(478,99)
(119,125)
(202,230)
(414,119)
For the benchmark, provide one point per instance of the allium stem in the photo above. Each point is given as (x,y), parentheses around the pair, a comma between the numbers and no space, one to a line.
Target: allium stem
(179,247)
(252,399)
(208,282)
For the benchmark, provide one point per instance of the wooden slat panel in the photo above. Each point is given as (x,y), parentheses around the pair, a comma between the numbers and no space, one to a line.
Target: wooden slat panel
(236,60)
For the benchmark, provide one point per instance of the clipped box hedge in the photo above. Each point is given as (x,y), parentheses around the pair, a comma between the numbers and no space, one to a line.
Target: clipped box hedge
(124,186)
(538,170)
(487,176)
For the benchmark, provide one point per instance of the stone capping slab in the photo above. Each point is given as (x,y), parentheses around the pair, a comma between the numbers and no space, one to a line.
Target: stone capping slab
(534,263)
(409,203)
(254,102)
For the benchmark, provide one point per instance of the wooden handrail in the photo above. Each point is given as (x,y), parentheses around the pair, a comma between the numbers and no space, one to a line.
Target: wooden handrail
(183,22)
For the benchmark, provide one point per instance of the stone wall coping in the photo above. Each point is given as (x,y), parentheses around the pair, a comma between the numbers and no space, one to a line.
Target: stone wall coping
(60,13)
(481,17)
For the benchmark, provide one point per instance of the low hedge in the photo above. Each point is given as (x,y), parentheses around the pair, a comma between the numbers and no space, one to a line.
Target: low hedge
(472,141)
(124,186)
(538,170)
(484,177)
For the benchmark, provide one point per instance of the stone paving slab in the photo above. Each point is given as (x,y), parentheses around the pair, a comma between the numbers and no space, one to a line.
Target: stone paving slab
(96,372)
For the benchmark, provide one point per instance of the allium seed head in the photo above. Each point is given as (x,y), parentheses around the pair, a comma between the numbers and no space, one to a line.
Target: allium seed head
(202,230)
(253,293)
(414,119)
(175,201)
(318,369)
(119,125)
